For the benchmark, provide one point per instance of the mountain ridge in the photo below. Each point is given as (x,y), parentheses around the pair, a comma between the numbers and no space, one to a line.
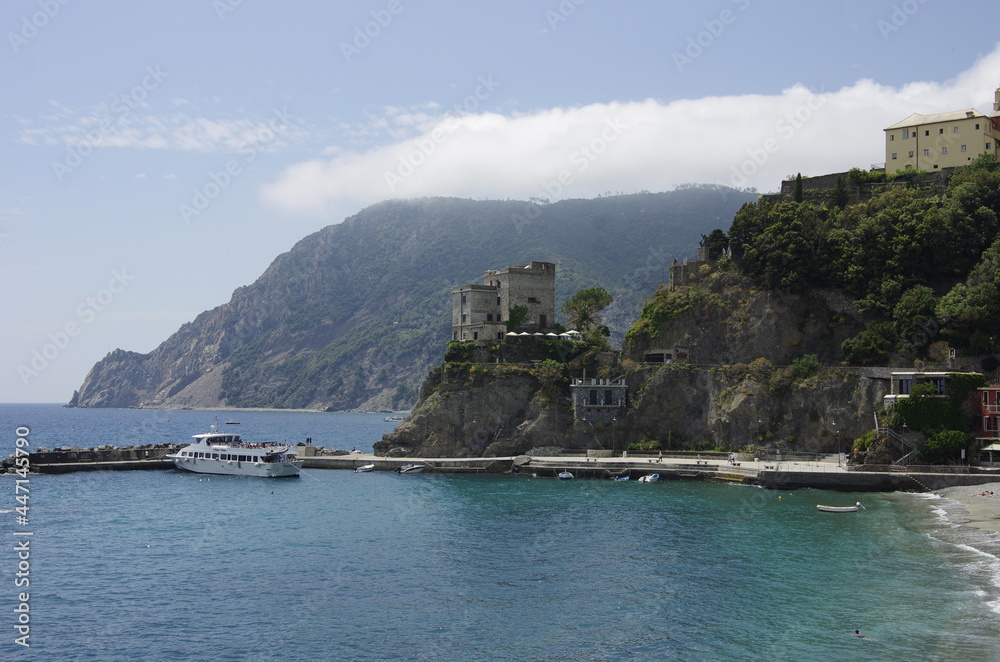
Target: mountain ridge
(354,315)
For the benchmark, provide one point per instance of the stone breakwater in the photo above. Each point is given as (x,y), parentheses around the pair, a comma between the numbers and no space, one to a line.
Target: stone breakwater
(825,473)
(65,460)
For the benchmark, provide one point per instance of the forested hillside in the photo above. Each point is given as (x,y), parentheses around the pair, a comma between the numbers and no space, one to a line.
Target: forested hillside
(355,315)
(923,264)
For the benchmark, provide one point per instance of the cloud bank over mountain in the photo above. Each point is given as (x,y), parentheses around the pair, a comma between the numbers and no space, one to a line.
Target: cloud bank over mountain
(557,153)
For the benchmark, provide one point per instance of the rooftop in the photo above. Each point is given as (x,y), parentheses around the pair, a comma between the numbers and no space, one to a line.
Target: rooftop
(916,119)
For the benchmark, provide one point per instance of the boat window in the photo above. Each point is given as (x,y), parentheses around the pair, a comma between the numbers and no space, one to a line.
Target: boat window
(215,456)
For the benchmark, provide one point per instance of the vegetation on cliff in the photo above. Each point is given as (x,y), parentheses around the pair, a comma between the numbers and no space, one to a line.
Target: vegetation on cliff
(921,263)
(354,315)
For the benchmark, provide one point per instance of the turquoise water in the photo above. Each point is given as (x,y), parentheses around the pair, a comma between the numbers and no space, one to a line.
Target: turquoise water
(163,565)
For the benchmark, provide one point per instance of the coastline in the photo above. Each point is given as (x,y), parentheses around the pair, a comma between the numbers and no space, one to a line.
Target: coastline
(981,512)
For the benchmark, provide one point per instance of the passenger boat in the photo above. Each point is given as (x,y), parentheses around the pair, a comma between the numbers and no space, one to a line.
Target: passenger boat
(411,468)
(228,455)
(841,509)
(649,478)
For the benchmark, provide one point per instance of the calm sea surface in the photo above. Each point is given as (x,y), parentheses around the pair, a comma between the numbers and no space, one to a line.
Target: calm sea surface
(163,565)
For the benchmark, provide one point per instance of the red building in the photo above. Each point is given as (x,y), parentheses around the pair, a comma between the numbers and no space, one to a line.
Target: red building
(988,428)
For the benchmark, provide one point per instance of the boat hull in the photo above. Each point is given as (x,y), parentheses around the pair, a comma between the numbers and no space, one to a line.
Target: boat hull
(837,509)
(412,469)
(234,468)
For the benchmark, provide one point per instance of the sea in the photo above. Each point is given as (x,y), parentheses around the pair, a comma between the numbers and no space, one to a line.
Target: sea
(334,565)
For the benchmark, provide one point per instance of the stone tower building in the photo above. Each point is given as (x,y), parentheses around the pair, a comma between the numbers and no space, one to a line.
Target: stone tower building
(480,312)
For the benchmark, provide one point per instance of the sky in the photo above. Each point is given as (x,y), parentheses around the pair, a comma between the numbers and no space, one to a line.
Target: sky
(158,155)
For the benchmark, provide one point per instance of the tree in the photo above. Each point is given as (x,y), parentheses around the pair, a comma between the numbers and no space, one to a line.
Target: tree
(583,308)
(516,317)
(944,446)
(839,196)
(716,242)
(797,194)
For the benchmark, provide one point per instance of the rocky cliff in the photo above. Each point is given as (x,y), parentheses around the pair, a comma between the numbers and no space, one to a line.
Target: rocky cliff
(740,387)
(354,315)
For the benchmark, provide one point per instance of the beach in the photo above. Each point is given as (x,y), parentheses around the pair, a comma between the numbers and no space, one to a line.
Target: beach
(983,510)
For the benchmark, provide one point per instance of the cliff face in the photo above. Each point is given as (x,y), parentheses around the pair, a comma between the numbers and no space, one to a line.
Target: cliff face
(739,388)
(353,315)
(680,406)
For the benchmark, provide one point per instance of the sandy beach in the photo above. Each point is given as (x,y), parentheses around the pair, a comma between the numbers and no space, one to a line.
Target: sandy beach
(983,510)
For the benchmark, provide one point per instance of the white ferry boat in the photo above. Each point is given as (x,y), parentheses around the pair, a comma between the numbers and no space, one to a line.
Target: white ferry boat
(228,455)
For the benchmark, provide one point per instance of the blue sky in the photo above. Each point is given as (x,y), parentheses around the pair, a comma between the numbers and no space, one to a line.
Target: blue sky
(156,156)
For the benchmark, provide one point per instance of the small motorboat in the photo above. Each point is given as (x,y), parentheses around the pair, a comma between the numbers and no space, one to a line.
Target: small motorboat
(363,468)
(232,422)
(617,478)
(649,478)
(565,475)
(841,509)
(411,468)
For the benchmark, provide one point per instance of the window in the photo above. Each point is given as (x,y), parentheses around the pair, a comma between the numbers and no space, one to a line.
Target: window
(938,383)
(911,153)
(891,137)
(463,298)
(927,152)
(944,150)
(608,399)
(894,156)
(464,318)
(989,146)
(940,131)
(532,300)
(954,129)
(964,148)
(927,133)
(489,317)
(498,301)
(475,335)
(904,386)
(593,397)
(977,127)
(986,398)
(906,133)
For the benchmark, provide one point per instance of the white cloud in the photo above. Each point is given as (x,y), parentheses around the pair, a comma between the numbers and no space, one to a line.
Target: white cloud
(102,127)
(748,140)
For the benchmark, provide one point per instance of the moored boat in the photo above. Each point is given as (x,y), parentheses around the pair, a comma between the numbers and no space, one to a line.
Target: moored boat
(649,478)
(228,455)
(363,468)
(411,469)
(565,475)
(841,509)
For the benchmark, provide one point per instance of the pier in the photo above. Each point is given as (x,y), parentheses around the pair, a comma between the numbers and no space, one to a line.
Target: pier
(824,473)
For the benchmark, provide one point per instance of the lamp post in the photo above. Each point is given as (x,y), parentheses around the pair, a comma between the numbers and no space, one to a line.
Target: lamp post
(837,433)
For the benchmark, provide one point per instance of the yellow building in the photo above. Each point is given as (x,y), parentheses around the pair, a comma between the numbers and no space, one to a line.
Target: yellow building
(944,140)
